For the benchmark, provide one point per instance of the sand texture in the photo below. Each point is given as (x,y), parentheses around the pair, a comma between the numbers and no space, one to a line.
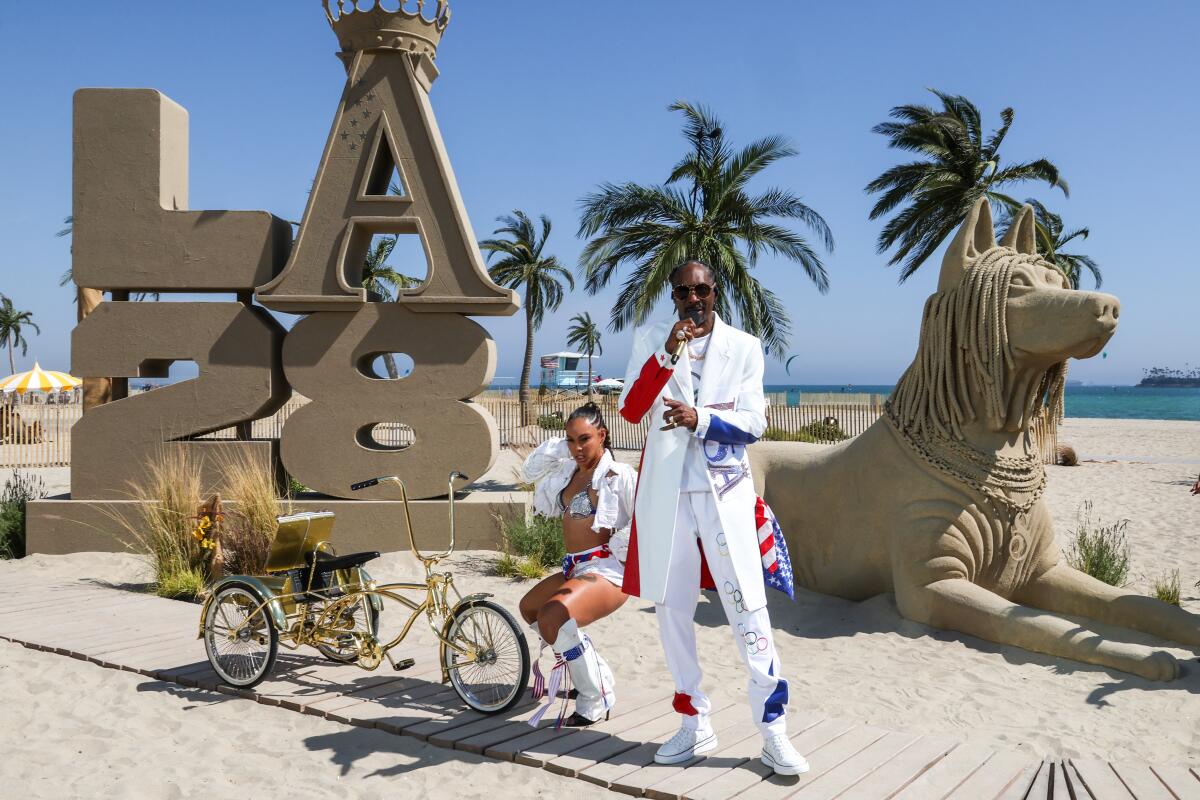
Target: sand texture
(71,725)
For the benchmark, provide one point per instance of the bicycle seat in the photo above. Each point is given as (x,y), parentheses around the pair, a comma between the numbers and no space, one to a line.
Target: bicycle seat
(328,563)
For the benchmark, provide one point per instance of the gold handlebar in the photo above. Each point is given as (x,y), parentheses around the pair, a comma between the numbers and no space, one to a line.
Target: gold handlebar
(427,560)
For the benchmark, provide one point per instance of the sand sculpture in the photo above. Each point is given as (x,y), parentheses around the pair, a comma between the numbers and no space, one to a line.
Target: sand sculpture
(133,232)
(940,500)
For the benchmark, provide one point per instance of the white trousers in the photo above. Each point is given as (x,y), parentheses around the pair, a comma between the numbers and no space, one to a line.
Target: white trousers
(697,519)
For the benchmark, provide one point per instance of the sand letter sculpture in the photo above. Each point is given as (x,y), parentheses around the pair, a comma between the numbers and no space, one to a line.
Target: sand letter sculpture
(940,501)
(133,233)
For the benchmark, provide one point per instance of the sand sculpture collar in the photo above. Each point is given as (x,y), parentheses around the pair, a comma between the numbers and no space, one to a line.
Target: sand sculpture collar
(964,370)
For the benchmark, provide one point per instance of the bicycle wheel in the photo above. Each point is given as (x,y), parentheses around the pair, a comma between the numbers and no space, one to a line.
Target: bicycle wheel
(495,679)
(239,638)
(353,619)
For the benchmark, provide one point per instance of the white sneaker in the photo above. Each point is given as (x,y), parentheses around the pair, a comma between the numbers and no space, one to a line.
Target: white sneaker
(685,745)
(779,755)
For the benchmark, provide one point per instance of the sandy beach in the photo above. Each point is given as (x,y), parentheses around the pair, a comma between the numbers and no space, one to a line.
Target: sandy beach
(72,725)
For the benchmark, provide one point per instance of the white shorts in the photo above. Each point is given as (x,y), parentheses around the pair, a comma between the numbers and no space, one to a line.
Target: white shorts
(605,566)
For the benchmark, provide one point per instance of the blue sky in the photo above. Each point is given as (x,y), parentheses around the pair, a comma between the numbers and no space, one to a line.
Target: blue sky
(540,102)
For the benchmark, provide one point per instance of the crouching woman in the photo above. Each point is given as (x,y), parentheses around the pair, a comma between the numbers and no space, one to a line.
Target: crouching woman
(578,479)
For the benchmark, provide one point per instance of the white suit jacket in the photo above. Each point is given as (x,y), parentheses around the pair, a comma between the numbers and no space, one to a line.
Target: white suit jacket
(731,413)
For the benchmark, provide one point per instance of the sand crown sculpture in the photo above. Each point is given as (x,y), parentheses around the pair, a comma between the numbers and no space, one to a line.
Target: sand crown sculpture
(939,501)
(133,233)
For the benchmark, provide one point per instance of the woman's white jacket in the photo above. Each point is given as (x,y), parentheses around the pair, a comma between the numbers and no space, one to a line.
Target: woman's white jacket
(550,468)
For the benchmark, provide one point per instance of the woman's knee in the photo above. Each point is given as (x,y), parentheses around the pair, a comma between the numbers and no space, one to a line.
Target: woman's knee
(550,618)
(528,608)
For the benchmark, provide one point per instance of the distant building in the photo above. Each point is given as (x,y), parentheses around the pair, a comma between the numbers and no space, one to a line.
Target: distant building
(567,371)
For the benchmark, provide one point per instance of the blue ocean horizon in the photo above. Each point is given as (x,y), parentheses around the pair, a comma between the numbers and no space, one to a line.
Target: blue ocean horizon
(1082,400)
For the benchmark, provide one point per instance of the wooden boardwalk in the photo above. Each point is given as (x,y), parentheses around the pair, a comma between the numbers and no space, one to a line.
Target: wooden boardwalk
(139,633)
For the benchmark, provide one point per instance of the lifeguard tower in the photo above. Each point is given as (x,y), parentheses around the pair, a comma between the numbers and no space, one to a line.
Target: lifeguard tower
(565,372)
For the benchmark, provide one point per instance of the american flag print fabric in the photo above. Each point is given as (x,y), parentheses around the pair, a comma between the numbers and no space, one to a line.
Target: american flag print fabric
(776,564)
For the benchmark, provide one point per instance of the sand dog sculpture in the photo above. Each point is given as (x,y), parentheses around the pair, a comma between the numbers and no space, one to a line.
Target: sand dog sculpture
(940,501)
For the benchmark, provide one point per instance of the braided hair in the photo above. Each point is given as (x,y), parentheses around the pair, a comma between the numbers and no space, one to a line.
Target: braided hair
(590,413)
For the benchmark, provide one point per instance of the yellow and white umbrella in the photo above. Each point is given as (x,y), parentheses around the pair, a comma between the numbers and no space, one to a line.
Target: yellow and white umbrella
(38,380)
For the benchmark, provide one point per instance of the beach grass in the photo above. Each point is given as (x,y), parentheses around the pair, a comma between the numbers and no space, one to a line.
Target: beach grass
(1101,551)
(18,491)
(247,530)
(1167,586)
(163,521)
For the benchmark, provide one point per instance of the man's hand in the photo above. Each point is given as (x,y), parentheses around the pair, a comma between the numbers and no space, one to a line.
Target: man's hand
(678,415)
(685,327)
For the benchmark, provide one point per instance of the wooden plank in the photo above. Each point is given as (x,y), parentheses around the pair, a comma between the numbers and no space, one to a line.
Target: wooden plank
(1037,788)
(1141,782)
(731,754)
(996,776)
(944,776)
(1068,786)
(753,771)
(859,766)
(620,738)
(822,761)
(723,723)
(546,744)
(1099,779)
(450,737)
(902,770)
(1184,783)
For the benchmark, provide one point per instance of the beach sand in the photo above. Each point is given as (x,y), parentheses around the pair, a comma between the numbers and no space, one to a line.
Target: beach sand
(73,724)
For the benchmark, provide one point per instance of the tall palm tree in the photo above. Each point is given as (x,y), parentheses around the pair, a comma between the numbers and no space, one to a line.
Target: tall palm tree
(522,263)
(702,212)
(12,323)
(382,282)
(585,335)
(1052,238)
(958,167)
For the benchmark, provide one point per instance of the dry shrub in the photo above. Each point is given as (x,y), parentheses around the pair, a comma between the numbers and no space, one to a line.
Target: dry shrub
(165,517)
(248,527)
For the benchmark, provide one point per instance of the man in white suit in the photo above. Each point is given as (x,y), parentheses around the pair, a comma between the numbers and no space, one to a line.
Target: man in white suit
(694,515)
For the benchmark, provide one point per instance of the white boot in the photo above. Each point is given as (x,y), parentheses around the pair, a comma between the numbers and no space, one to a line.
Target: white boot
(589,673)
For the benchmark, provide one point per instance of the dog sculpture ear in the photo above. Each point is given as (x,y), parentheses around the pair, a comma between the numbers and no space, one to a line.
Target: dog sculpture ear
(976,236)
(1021,235)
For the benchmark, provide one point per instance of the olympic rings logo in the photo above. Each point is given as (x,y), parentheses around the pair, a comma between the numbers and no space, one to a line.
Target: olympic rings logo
(722,544)
(735,595)
(755,643)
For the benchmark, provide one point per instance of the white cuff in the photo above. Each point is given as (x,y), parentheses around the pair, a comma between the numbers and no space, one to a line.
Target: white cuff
(703,416)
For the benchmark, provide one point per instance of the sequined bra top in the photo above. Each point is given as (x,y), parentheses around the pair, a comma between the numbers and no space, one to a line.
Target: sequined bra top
(580,507)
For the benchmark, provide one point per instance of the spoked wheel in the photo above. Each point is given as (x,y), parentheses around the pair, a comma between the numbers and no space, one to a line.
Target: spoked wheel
(238,635)
(493,672)
(360,616)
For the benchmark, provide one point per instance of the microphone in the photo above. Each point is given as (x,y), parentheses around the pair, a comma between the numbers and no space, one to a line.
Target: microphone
(697,318)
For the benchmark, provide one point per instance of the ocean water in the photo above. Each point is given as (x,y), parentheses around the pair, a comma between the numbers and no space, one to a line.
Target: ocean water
(1113,402)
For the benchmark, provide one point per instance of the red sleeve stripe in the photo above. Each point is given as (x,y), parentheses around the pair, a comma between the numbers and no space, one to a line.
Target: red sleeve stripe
(645,390)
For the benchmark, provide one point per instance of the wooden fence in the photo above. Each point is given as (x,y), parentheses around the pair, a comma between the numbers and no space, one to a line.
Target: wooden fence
(36,435)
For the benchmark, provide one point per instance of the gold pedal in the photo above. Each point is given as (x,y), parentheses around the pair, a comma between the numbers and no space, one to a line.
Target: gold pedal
(403,663)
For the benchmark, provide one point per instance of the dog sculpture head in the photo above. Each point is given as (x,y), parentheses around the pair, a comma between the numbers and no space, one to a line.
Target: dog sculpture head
(996,335)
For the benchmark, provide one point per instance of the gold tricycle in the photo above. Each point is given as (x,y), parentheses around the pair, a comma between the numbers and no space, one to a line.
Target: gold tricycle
(311,596)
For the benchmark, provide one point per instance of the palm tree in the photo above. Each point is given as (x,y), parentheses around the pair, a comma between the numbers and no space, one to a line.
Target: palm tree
(1051,239)
(959,166)
(585,335)
(382,281)
(11,334)
(702,212)
(522,263)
